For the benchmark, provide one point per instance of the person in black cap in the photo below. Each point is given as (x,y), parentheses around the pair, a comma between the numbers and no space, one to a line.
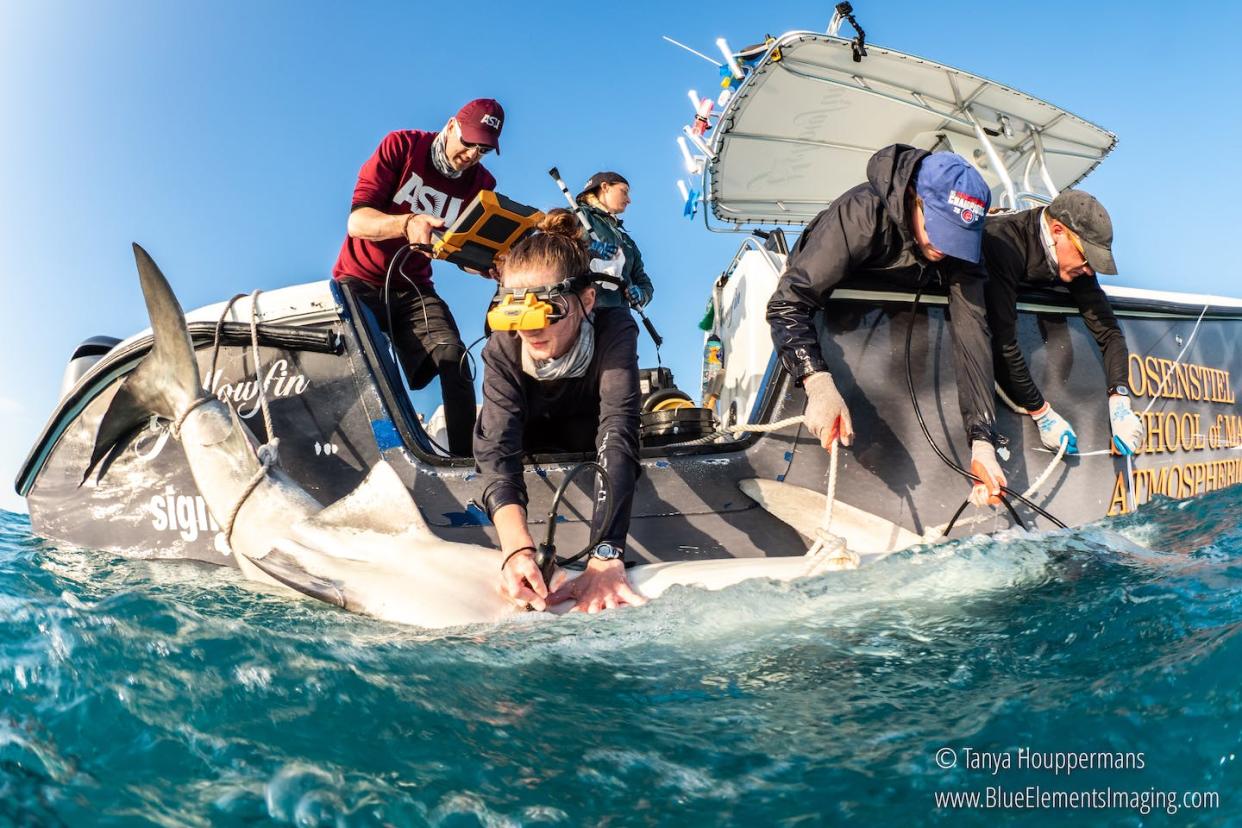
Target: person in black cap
(1068,242)
(605,197)
(919,217)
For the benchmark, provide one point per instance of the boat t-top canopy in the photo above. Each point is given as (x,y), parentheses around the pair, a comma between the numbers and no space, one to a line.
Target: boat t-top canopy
(806,117)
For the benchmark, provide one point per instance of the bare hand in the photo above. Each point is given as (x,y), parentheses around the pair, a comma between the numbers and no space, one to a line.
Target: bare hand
(522,582)
(603,586)
(418,229)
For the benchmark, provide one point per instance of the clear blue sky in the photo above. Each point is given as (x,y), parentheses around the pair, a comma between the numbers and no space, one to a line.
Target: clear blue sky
(226,136)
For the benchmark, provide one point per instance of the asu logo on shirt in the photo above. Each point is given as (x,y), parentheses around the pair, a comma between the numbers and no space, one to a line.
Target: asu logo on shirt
(427,200)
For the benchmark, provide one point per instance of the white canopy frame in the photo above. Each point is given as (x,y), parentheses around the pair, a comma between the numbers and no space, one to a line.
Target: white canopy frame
(807,117)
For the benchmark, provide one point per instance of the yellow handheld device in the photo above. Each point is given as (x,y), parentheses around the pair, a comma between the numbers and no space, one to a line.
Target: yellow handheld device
(489,225)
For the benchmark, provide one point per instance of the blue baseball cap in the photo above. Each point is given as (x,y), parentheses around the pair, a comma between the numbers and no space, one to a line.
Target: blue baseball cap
(955,201)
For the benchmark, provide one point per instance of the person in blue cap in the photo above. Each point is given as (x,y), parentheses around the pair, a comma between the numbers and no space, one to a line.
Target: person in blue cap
(918,219)
(1066,243)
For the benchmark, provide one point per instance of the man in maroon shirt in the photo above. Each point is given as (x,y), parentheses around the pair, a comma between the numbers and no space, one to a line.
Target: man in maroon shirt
(414,183)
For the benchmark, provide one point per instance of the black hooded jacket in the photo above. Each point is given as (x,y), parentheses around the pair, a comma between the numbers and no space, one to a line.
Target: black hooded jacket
(865,235)
(598,411)
(1014,254)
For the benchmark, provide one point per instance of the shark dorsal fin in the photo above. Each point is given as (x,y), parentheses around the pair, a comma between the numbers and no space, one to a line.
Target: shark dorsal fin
(381,504)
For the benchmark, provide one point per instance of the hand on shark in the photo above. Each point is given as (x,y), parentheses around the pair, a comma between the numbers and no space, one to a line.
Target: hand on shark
(522,582)
(602,586)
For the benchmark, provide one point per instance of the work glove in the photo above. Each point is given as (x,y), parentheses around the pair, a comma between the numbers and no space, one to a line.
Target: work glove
(636,296)
(984,465)
(603,250)
(1053,428)
(826,416)
(610,267)
(1128,431)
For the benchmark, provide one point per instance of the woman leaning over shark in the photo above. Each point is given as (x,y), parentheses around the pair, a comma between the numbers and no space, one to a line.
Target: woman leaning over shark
(563,377)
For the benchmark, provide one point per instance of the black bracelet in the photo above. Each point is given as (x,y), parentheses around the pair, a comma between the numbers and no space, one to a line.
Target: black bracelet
(505,562)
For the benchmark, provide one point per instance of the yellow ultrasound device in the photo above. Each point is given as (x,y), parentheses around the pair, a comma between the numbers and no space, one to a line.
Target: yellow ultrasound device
(488,226)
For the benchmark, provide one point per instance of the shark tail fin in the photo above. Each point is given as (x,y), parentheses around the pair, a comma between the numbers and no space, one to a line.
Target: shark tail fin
(166,382)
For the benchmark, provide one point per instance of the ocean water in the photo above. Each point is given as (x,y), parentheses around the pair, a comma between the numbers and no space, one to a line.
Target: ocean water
(1104,660)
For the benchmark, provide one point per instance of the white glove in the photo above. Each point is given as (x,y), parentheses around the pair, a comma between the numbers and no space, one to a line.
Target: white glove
(826,416)
(1128,431)
(1053,428)
(984,465)
(610,267)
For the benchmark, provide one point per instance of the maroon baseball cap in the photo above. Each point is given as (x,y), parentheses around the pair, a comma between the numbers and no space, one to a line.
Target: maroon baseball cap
(481,121)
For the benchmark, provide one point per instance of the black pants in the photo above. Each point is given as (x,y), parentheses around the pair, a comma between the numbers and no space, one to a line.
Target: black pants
(428,344)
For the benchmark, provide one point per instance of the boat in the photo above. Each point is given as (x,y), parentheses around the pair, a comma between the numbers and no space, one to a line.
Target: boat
(730,476)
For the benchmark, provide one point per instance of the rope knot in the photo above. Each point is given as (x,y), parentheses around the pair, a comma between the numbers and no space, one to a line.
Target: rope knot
(174,426)
(830,553)
(269,453)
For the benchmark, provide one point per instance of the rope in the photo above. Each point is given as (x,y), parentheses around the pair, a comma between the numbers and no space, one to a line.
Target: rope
(215,345)
(267,453)
(1156,396)
(258,369)
(829,551)
(174,428)
(267,458)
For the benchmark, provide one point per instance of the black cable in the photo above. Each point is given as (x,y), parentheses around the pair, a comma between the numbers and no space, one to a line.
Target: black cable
(397,262)
(918,413)
(953,520)
(546,556)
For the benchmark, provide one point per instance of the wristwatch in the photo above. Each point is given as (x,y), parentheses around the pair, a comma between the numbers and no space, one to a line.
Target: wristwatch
(607,552)
(1119,391)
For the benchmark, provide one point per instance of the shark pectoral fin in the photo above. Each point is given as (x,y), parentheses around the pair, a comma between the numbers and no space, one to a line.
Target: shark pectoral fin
(803,509)
(381,504)
(286,569)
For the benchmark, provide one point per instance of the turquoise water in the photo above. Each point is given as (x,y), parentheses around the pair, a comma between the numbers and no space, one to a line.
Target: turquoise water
(137,692)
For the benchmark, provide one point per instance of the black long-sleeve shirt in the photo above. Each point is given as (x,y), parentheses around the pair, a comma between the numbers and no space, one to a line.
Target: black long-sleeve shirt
(599,410)
(864,234)
(1015,256)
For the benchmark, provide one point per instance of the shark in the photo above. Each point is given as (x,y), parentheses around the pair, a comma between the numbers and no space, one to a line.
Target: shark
(371,552)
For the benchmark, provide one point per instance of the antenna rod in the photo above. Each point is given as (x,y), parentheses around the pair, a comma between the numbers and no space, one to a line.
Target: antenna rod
(715,63)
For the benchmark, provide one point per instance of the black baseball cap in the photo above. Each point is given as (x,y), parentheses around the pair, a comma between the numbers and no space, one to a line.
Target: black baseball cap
(594,182)
(1085,215)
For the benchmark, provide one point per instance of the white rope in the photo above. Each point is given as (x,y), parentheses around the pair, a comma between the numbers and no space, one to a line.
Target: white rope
(1160,390)
(764,428)
(258,369)
(1177,361)
(830,551)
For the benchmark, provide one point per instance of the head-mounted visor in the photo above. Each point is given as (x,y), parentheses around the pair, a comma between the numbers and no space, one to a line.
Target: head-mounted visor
(529,309)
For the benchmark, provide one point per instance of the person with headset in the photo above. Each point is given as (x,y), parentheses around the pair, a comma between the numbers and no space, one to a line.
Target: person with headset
(560,374)
(414,183)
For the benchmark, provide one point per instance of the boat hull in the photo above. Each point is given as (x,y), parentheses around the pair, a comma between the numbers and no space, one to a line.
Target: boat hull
(338,411)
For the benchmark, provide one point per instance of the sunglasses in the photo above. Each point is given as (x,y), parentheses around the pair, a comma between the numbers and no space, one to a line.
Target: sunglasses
(481,149)
(1077,242)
